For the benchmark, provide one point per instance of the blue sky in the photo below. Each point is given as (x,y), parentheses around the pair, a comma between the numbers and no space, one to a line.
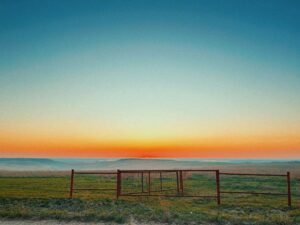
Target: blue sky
(150,69)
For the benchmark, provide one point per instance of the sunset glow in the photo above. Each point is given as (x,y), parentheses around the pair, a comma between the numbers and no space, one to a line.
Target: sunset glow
(149,79)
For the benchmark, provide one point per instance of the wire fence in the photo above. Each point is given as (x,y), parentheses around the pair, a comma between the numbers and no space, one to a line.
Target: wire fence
(256,184)
(99,181)
(168,183)
(210,184)
(196,183)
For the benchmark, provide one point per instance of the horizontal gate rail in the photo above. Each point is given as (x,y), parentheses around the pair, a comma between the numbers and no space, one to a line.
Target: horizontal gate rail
(251,193)
(163,195)
(157,171)
(95,172)
(254,174)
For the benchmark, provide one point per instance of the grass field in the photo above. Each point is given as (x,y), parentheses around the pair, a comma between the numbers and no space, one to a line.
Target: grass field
(45,196)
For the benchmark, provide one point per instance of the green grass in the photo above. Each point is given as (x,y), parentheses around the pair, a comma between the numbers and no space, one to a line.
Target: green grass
(46,197)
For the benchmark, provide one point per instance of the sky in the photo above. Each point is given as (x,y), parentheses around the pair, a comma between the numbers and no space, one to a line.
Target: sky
(205,79)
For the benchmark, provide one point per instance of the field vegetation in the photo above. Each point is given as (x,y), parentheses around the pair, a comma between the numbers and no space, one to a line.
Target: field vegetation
(46,196)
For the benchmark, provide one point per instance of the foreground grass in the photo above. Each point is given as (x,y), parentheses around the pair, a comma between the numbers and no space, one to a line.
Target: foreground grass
(177,211)
(47,198)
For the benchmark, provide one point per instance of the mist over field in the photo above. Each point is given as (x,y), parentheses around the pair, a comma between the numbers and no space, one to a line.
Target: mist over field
(65,164)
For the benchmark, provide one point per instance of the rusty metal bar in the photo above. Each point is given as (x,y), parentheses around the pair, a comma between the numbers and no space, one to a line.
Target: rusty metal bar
(181,181)
(142,181)
(136,193)
(254,174)
(252,193)
(146,171)
(94,172)
(177,180)
(72,183)
(145,193)
(94,189)
(288,176)
(196,170)
(160,177)
(119,184)
(149,182)
(218,187)
(191,170)
(160,195)
(170,189)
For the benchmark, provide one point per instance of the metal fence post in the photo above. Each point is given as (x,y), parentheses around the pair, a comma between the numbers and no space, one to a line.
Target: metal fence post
(149,183)
(177,181)
(160,177)
(288,176)
(71,183)
(142,179)
(218,187)
(181,181)
(118,183)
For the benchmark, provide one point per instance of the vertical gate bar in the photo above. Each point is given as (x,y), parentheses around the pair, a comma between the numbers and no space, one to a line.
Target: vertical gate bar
(177,180)
(218,187)
(149,183)
(160,177)
(289,188)
(142,179)
(118,184)
(72,183)
(181,182)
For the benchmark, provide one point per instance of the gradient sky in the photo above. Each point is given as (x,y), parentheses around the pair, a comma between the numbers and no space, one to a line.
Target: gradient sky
(108,78)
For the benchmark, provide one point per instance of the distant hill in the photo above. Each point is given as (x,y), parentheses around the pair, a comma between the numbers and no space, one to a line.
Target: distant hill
(132,163)
(94,164)
(30,164)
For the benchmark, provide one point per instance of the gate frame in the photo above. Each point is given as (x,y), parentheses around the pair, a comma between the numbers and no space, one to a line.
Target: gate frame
(180,183)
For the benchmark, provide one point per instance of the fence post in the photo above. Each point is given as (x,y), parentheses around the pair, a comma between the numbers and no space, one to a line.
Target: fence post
(177,182)
(160,177)
(181,181)
(149,183)
(142,179)
(288,176)
(71,183)
(118,183)
(218,187)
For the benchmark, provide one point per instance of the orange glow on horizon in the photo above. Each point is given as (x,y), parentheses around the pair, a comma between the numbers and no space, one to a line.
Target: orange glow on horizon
(225,147)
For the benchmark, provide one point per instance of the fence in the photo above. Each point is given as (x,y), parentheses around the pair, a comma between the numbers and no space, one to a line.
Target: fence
(159,183)
(91,187)
(288,185)
(177,183)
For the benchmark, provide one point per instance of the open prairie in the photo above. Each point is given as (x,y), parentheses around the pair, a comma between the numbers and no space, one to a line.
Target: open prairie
(39,195)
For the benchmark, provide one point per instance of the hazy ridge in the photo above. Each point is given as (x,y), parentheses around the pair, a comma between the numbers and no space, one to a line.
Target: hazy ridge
(17,164)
